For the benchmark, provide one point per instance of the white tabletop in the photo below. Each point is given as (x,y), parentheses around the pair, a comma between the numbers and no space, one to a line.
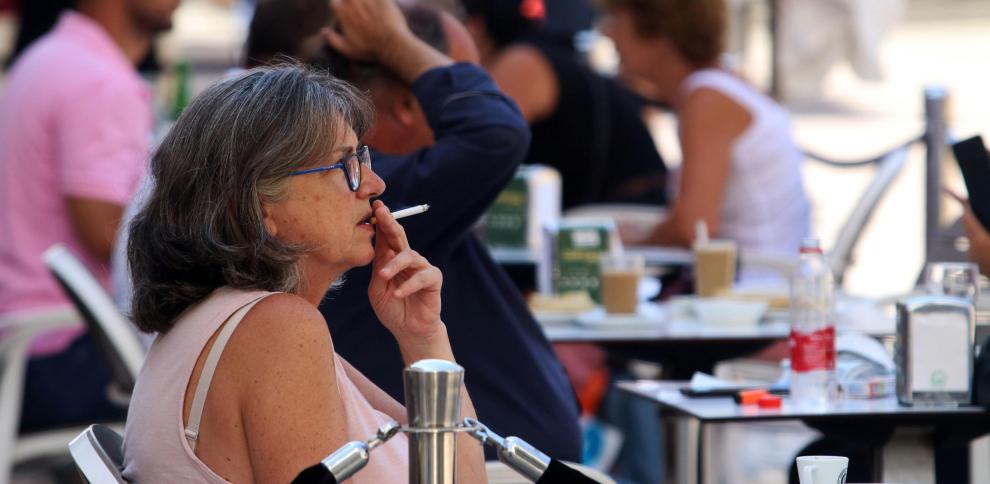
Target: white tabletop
(653,323)
(663,256)
(514,256)
(667,394)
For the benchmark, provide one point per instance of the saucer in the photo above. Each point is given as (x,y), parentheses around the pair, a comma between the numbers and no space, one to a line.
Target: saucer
(647,316)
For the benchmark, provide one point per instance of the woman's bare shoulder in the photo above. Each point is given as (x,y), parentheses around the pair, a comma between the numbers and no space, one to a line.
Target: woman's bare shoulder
(707,100)
(712,111)
(281,329)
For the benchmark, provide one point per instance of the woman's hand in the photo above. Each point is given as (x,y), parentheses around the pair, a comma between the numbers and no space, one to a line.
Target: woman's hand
(979,238)
(366,28)
(405,288)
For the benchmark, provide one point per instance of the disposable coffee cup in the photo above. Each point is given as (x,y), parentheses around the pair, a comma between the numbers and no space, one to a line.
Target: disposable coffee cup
(822,469)
(714,267)
(620,282)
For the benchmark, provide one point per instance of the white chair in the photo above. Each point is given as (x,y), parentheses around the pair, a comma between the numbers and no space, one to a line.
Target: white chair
(840,256)
(98,455)
(118,342)
(114,334)
(17,330)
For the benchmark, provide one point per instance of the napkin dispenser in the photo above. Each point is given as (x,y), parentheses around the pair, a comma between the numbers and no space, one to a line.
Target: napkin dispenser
(571,259)
(528,203)
(934,350)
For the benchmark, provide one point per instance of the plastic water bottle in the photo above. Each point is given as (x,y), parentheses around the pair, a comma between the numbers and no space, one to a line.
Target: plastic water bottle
(812,338)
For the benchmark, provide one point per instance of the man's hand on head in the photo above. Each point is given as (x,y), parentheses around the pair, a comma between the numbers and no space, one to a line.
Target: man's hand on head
(365,28)
(377,30)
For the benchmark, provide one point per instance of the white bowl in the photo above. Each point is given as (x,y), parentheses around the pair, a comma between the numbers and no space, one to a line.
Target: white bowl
(726,312)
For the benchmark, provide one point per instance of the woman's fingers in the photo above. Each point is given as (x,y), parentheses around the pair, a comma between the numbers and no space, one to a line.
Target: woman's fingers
(426,278)
(409,272)
(402,261)
(388,229)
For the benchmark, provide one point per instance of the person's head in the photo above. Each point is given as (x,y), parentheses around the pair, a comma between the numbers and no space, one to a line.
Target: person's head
(227,208)
(649,33)
(401,125)
(150,16)
(497,23)
(286,28)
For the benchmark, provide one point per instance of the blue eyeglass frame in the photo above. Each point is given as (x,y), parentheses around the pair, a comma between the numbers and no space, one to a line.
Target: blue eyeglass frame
(362,157)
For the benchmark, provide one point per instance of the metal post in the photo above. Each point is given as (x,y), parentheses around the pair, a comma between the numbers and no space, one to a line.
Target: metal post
(433,402)
(909,456)
(935,142)
(776,71)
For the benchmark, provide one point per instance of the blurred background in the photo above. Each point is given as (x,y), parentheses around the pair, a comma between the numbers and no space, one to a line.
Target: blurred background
(862,67)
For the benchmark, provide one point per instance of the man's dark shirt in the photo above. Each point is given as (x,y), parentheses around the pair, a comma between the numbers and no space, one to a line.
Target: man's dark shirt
(516,383)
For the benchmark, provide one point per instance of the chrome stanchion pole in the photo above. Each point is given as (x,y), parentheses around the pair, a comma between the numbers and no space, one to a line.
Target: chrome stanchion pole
(433,404)
(512,451)
(935,143)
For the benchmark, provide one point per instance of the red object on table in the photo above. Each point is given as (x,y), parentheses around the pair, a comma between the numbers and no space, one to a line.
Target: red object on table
(770,401)
(751,397)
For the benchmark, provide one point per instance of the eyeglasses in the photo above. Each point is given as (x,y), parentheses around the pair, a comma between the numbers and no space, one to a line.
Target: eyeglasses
(351,164)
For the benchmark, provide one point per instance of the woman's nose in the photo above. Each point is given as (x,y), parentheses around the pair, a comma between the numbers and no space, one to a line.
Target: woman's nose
(372,185)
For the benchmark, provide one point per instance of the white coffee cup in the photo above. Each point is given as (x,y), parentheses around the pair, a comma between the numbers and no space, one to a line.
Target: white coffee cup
(822,469)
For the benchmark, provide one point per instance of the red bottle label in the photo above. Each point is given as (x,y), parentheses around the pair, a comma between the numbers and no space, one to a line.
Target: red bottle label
(813,351)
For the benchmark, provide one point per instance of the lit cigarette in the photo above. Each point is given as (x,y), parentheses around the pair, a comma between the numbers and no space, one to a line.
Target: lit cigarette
(406,212)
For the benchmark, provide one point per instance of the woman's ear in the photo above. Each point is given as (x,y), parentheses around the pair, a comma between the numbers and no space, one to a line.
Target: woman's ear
(268,217)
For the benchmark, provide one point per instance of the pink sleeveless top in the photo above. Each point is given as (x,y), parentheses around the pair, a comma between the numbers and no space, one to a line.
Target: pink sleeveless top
(156,448)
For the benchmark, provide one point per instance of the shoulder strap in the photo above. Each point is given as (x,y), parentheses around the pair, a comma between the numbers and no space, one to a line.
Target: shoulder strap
(206,376)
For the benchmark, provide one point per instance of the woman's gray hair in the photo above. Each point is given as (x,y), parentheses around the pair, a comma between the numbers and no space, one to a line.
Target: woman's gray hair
(230,150)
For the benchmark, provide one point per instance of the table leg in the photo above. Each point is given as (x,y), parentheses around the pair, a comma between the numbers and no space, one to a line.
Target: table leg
(686,449)
(708,472)
(908,457)
(979,459)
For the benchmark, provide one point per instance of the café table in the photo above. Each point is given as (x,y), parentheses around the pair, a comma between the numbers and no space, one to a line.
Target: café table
(683,346)
(654,325)
(906,456)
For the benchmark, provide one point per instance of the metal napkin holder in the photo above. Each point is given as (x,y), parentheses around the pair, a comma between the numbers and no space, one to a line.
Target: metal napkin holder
(934,350)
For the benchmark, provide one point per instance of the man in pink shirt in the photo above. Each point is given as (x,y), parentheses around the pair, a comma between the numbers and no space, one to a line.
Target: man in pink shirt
(75,130)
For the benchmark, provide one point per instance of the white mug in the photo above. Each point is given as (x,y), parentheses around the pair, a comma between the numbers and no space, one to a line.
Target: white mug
(822,469)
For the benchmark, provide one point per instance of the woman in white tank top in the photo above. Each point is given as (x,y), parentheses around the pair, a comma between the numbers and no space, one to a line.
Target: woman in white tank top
(741,170)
